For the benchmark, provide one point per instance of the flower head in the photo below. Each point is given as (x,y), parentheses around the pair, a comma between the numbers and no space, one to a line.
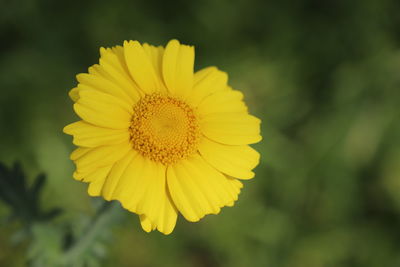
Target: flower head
(159,137)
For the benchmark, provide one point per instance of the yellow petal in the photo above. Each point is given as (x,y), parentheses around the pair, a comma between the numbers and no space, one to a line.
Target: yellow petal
(99,173)
(178,64)
(231,128)
(146,223)
(79,152)
(97,179)
(88,135)
(141,188)
(93,97)
(234,189)
(222,101)
(73,94)
(92,175)
(115,174)
(101,156)
(140,67)
(100,80)
(118,75)
(236,161)
(156,55)
(119,52)
(110,56)
(206,82)
(166,221)
(197,189)
(77,176)
(102,110)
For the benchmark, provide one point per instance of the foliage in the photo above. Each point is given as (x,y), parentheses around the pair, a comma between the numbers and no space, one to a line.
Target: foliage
(52,244)
(23,201)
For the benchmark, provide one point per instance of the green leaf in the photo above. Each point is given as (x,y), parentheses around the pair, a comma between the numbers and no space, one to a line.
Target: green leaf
(23,201)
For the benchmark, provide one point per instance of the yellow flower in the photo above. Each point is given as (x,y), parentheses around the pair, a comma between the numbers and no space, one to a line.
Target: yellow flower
(159,137)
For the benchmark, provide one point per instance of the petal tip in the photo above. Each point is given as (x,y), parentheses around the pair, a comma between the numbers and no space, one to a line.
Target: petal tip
(102,51)
(67,129)
(173,42)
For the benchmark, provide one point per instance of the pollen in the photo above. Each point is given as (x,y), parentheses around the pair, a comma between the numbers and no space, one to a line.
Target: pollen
(164,129)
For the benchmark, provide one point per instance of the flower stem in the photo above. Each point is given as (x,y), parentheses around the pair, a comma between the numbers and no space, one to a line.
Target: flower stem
(95,227)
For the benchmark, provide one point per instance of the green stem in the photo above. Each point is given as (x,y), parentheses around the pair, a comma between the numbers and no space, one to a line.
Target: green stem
(99,221)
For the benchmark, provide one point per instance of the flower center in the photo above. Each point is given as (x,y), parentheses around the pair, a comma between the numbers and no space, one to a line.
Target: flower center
(164,129)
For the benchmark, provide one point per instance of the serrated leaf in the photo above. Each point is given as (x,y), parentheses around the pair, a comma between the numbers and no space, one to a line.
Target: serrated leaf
(23,201)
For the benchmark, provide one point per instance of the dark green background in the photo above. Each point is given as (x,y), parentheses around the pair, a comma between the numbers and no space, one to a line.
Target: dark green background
(324,77)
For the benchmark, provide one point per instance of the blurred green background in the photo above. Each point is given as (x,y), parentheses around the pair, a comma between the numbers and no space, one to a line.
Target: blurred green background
(324,76)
